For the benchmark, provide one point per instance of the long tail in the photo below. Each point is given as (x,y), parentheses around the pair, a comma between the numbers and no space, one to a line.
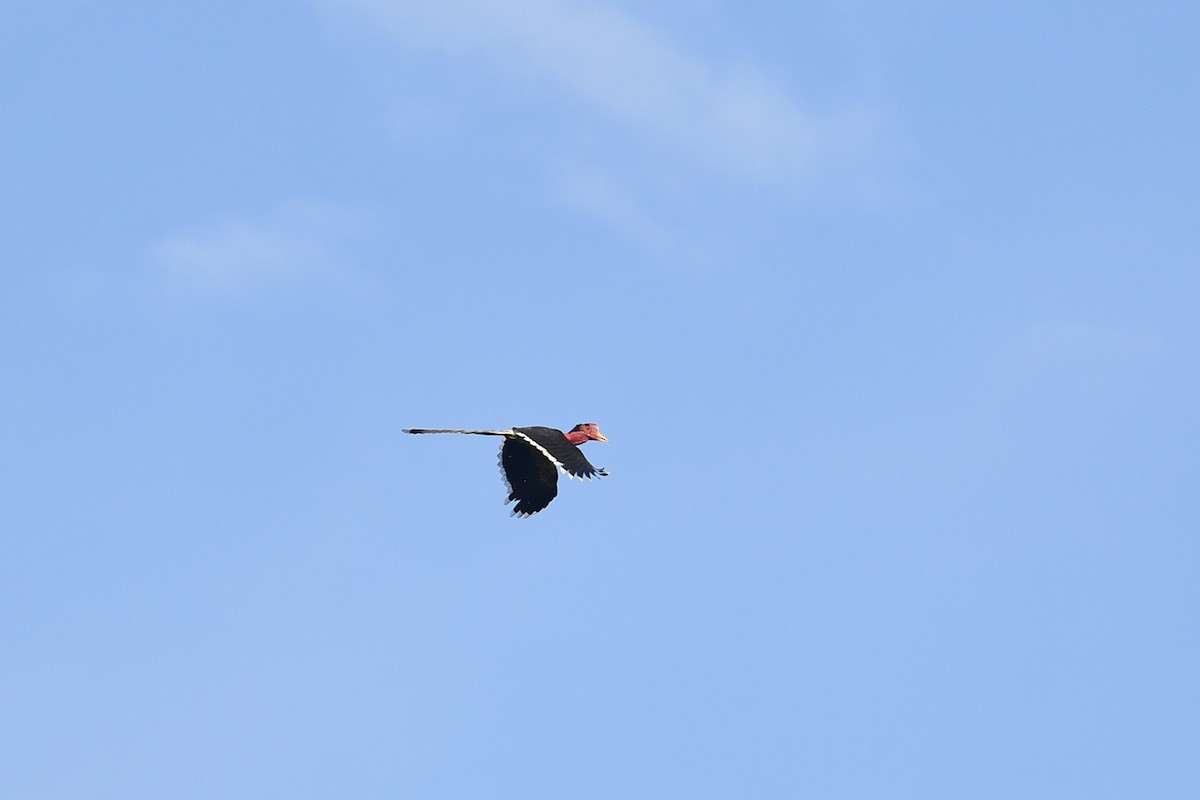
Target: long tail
(445,430)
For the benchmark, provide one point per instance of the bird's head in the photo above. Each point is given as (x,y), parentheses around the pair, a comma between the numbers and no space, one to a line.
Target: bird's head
(591,430)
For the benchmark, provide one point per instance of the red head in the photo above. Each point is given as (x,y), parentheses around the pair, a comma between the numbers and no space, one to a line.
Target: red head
(585,431)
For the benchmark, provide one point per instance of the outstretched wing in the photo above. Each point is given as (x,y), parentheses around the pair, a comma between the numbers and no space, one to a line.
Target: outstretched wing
(532,478)
(555,446)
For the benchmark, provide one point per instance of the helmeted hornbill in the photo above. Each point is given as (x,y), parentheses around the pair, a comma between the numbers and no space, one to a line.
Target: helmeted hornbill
(530,459)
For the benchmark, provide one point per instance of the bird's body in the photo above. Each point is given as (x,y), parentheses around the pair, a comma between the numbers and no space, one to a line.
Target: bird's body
(530,459)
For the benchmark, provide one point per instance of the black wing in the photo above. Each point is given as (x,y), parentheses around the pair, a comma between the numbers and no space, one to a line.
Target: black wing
(531,477)
(558,449)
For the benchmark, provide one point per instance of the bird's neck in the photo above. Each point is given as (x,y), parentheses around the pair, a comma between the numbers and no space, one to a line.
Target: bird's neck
(576,437)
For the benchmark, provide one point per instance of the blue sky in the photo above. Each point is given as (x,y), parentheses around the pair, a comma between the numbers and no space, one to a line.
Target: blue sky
(889,312)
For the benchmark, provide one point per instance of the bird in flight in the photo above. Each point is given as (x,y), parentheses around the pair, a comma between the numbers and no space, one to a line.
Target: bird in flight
(530,459)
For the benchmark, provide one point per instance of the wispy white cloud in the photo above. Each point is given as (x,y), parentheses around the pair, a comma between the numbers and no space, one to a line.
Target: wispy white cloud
(621,69)
(294,247)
